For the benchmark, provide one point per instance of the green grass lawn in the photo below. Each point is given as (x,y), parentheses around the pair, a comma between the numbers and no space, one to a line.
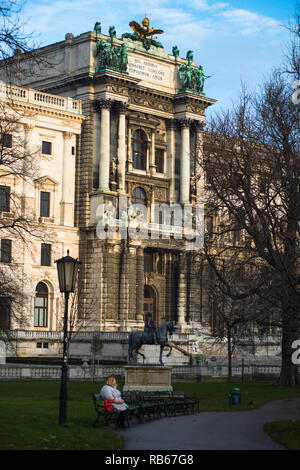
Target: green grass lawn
(286,432)
(29,412)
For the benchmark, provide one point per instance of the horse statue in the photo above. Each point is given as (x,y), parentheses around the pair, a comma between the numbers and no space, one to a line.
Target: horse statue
(138,338)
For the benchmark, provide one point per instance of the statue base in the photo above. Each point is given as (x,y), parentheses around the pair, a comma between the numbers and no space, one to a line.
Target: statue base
(150,378)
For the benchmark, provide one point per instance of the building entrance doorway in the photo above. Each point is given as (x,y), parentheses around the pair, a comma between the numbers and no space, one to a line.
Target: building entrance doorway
(150,304)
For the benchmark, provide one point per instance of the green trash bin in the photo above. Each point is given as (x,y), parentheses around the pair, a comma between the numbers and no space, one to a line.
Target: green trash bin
(235,397)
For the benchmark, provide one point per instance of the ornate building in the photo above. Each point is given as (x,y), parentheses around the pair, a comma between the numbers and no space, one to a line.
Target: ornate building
(140,143)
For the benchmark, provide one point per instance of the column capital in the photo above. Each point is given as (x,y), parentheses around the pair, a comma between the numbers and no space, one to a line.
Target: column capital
(103,104)
(67,135)
(198,125)
(184,123)
(29,127)
(121,107)
(170,123)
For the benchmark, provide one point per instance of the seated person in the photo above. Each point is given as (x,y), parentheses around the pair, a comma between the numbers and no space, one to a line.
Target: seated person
(110,392)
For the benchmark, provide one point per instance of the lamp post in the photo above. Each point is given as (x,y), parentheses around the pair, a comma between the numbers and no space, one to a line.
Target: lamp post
(67,268)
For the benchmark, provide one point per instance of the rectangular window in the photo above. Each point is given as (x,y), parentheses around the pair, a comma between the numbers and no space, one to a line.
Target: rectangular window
(73,150)
(148,262)
(46,148)
(5,254)
(160,160)
(4,198)
(45,204)
(6,141)
(39,345)
(5,308)
(45,254)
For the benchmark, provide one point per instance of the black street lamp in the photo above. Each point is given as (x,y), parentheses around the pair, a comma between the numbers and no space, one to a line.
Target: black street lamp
(67,268)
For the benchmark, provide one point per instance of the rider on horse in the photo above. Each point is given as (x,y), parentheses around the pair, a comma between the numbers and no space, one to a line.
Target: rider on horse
(150,327)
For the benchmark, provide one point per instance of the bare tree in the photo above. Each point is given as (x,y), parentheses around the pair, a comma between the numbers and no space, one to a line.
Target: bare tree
(253,166)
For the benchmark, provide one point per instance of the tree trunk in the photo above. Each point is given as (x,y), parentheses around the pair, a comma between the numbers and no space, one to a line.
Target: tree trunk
(229,354)
(289,371)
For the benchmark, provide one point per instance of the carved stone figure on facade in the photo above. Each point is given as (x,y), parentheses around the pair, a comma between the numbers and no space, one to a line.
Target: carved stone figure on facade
(175,52)
(123,58)
(97,28)
(112,32)
(193,185)
(189,56)
(114,172)
(114,58)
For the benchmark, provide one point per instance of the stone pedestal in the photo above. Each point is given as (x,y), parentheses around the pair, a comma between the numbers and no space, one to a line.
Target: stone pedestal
(148,378)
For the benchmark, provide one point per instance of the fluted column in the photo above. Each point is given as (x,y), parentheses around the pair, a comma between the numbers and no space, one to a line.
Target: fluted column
(122,108)
(152,154)
(171,158)
(185,161)
(199,172)
(140,284)
(26,205)
(182,291)
(105,107)
(129,150)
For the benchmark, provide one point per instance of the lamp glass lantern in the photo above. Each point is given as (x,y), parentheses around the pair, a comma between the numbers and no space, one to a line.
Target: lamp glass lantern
(67,268)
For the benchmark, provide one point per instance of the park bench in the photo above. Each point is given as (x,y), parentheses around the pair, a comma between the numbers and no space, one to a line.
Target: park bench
(107,417)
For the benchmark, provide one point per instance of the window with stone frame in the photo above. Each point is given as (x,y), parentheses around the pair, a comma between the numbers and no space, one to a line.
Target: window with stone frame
(4,198)
(46,147)
(44,204)
(41,305)
(5,251)
(45,254)
(160,160)
(148,262)
(139,150)
(139,196)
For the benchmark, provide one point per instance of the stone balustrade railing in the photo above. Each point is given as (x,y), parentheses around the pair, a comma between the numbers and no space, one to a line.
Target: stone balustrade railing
(84,372)
(28,95)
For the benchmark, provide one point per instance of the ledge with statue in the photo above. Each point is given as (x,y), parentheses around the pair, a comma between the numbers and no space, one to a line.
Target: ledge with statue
(154,376)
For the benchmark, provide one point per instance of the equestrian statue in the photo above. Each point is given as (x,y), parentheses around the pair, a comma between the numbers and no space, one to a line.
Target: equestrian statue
(150,336)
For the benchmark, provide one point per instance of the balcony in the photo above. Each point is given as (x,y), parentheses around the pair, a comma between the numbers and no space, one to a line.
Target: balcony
(30,96)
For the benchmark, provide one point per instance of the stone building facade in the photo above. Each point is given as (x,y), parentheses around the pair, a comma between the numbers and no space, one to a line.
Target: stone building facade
(40,131)
(140,142)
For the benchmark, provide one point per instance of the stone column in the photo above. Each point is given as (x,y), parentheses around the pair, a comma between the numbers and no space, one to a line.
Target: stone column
(199,173)
(185,161)
(27,206)
(122,108)
(67,171)
(129,150)
(170,124)
(105,106)
(152,165)
(140,284)
(182,291)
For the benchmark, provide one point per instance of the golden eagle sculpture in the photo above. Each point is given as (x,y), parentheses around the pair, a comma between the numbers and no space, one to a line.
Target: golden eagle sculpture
(144,31)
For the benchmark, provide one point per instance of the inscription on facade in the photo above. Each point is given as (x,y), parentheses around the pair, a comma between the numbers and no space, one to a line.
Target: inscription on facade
(143,68)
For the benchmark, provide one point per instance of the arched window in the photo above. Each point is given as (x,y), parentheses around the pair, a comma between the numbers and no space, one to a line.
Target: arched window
(139,196)
(41,305)
(139,150)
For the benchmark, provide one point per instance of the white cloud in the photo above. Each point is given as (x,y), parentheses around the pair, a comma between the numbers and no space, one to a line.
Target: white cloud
(249,22)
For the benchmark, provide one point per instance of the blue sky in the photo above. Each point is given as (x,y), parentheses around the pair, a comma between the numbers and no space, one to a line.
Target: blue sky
(233,40)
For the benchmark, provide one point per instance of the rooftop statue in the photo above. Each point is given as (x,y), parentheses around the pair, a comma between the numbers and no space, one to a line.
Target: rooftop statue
(193,78)
(143,33)
(113,58)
